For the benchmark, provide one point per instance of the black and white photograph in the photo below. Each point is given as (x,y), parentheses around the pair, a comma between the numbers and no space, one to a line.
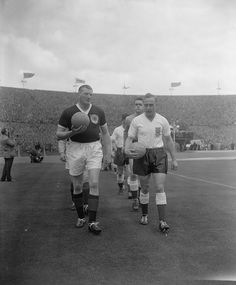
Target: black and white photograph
(117,142)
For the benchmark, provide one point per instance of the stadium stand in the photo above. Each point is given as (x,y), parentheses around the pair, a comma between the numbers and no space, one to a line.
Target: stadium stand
(32,115)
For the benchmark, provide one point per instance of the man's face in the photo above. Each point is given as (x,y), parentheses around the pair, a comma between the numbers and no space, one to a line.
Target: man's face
(85,96)
(149,107)
(139,106)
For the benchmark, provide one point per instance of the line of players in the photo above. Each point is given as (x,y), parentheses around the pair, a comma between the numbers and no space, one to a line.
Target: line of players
(137,186)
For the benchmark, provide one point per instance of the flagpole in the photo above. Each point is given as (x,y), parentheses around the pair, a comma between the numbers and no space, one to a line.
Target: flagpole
(218,88)
(75,86)
(125,88)
(23,82)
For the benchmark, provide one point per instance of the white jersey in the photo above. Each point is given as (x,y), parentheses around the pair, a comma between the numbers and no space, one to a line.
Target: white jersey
(147,132)
(118,136)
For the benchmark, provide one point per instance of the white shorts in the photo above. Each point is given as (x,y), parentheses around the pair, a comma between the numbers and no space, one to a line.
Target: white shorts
(85,176)
(81,156)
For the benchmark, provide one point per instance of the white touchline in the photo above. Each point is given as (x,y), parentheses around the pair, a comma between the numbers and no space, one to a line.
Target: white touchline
(202,180)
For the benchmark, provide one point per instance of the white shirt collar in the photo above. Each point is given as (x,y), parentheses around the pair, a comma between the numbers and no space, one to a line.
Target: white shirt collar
(87,111)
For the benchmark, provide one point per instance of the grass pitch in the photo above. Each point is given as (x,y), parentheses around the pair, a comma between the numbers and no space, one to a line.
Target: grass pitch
(40,245)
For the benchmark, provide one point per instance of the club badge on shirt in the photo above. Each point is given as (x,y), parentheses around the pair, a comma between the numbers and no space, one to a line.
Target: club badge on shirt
(94,118)
(158,131)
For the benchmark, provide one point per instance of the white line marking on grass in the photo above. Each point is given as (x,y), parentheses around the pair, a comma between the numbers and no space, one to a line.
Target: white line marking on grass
(203,180)
(207,158)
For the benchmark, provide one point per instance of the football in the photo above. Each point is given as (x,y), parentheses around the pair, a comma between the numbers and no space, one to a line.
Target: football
(80,119)
(139,149)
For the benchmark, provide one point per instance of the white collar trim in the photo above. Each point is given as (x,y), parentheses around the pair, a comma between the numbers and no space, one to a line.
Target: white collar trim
(83,111)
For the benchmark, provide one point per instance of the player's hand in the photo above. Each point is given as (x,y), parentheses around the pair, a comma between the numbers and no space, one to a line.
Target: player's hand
(63,157)
(78,130)
(131,153)
(106,160)
(174,165)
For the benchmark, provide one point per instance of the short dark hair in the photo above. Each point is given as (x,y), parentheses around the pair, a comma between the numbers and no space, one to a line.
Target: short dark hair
(3,131)
(123,117)
(138,99)
(149,95)
(85,86)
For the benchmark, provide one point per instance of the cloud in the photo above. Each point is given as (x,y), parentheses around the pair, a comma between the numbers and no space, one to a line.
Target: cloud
(188,41)
(30,53)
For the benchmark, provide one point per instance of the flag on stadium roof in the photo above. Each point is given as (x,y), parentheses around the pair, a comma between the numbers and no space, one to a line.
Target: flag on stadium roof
(77,80)
(175,84)
(126,87)
(28,74)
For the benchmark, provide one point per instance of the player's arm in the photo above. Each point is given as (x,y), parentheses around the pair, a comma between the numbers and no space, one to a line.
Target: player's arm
(106,143)
(132,134)
(128,145)
(62,149)
(63,133)
(170,147)
(129,139)
(126,129)
(113,141)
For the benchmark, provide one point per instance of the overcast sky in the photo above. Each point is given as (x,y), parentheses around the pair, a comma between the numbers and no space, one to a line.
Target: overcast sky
(146,44)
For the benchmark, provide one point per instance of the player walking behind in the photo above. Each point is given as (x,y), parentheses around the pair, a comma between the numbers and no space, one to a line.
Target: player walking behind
(120,160)
(133,180)
(150,128)
(85,150)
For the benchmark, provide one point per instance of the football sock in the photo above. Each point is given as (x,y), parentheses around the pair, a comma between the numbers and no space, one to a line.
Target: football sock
(144,200)
(120,185)
(120,180)
(86,192)
(134,188)
(92,207)
(78,200)
(161,205)
(71,190)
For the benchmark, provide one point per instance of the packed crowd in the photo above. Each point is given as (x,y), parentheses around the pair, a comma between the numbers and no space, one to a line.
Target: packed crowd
(32,115)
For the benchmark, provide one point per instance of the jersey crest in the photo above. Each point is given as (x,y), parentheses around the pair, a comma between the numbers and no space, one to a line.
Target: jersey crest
(94,118)
(158,131)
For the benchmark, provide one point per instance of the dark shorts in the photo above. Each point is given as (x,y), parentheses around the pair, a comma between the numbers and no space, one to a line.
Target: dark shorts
(154,161)
(120,159)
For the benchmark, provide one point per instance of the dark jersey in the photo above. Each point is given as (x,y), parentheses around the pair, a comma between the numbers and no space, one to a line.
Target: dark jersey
(91,134)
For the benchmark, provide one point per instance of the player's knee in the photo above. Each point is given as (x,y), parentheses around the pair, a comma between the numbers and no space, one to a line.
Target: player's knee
(133,177)
(85,186)
(160,188)
(77,188)
(93,188)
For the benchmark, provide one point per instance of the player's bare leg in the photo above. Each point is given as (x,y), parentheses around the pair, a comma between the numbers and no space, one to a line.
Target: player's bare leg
(127,180)
(78,199)
(161,201)
(144,198)
(93,200)
(120,178)
(134,184)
